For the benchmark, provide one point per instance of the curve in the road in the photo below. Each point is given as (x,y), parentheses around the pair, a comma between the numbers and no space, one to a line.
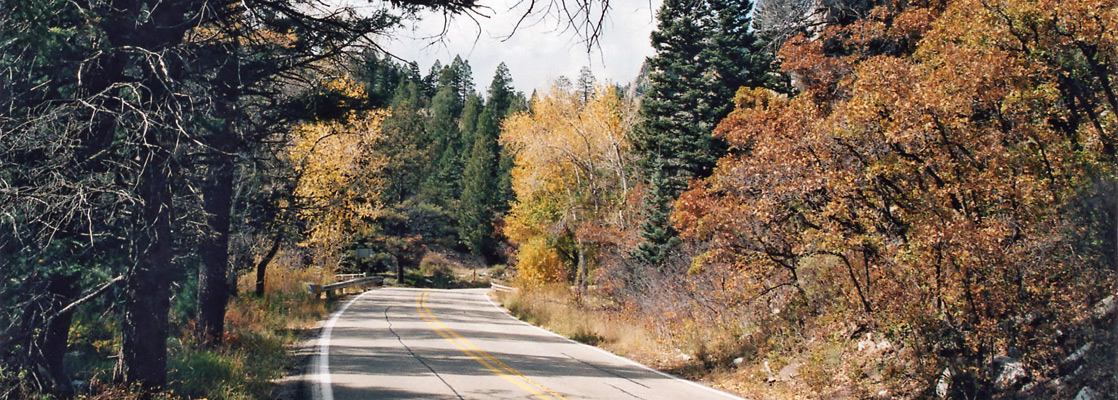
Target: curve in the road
(459,344)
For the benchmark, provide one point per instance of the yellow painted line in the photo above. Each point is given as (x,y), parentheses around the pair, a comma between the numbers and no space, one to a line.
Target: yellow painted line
(486,355)
(421,306)
(480,355)
(489,357)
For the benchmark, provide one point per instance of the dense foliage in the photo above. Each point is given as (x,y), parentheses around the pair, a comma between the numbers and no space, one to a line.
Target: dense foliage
(940,180)
(882,198)
(938,163)
(705,50)
(570,180)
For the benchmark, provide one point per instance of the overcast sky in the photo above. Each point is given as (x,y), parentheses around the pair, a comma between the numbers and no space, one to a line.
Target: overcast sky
(539,52)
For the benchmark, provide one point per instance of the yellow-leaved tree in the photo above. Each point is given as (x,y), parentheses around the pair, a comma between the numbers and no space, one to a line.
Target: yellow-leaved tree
(338,176)
(569,179)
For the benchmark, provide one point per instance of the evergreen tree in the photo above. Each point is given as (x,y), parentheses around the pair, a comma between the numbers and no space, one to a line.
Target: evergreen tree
(475,215)
(505,194)
(704,53)
(380,76)
(659,237)
(459,76)
(500,91)
(482,179)
(468,123)
(585,86)
(429,83)
(444,136)
(442,128)
(412,73)
(403,145)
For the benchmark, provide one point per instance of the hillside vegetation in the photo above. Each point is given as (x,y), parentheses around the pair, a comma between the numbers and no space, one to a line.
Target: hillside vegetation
(929,210)
(796,198)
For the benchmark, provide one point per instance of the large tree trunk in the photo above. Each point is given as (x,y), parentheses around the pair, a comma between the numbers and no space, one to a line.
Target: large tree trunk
(213,286)
(154,28)
(217,201)
(53,342)
(145,328)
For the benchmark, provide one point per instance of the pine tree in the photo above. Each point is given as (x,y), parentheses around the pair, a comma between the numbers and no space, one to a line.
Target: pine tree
(459,76)
(468,123)
(478,186)
(483,178)
(430,82)
(659,237)
(403,145)
(381,77)
(704,53)
(585,86)
(445,137)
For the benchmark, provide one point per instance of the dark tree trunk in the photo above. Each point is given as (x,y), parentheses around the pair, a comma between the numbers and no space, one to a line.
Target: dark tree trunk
(262,266)
(41,351)
(53,343)
(217,200)
(213,283)
(154,27)
(147,290)
(399,271)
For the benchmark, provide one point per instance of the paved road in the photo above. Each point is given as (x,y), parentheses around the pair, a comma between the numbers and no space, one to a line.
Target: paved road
(456,344)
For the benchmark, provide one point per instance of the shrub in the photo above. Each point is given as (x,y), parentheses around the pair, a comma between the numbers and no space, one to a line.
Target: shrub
(435,266)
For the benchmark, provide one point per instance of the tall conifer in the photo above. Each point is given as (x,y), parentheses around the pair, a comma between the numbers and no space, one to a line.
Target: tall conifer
(704,53)
(482,180)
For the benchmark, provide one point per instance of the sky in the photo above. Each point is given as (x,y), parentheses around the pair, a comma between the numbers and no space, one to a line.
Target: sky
(539,51)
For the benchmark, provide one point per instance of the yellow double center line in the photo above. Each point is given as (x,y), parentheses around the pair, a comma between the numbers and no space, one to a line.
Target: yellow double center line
(481,356)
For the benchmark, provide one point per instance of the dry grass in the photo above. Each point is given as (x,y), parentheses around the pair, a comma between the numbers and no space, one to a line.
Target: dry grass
(259,332)
(557,309)
(822,354)
(442,268)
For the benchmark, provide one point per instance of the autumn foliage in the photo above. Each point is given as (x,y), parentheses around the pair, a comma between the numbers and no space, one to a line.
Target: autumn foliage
(338,175)
(943,165)
(935,200)
(570,181)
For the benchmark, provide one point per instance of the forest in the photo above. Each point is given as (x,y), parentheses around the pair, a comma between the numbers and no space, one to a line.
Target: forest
(794,199)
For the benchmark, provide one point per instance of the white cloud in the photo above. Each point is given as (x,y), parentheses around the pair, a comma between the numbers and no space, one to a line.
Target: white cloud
(539,51)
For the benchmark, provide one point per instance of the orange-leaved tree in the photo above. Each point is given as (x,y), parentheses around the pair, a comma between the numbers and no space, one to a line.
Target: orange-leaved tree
(937,160)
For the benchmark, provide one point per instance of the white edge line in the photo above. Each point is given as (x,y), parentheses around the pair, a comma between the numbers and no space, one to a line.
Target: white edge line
(323,391)
(603,351)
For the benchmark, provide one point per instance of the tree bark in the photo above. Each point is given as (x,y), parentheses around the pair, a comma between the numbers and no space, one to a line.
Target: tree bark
(213,286)
(53,343)
(144,34)
(580,277)
(262,266)
(399,270)
(147,291)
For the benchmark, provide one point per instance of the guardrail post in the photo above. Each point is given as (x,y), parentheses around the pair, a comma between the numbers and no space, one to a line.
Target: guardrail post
(314,289)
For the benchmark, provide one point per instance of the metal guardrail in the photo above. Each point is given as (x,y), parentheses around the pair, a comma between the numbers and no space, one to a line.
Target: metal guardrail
(333,288)
(503,288)
(340,277)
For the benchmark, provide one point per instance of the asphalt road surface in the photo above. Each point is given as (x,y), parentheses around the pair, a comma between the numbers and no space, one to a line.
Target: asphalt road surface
(456,344)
